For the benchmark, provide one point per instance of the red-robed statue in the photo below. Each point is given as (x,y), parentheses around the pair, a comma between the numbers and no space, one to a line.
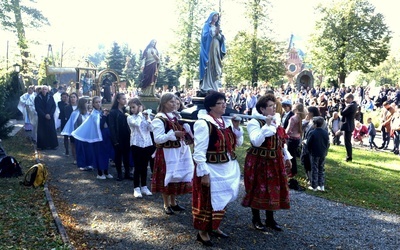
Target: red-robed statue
(150,63)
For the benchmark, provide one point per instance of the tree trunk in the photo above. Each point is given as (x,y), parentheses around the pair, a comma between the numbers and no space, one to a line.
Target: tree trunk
(22,44)
(254,69)
(342,77)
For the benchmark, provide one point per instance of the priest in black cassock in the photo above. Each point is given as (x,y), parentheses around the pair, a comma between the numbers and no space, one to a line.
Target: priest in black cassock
(46,130)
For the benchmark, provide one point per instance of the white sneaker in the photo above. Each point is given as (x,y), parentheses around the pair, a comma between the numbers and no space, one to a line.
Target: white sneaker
(89,167)
(83,169)
(321,188)
(101,177)
(145,190)
(109,176)
(137,193)
(311,188)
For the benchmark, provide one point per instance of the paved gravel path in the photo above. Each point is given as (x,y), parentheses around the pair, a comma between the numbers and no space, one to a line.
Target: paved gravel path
(113,219)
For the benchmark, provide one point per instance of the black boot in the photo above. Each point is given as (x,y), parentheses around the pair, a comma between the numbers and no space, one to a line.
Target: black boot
(119,173)
(127,174)
(270,222)
(308,175)
(257,220)
(66,145)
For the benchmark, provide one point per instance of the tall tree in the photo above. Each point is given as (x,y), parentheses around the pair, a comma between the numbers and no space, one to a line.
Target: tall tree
(252,55)
(188,31)
(256,11)
(131,71)
(99,56)
(350,36)
(115,59)
(168,73)
(387,73)
(16,18)
(268,63)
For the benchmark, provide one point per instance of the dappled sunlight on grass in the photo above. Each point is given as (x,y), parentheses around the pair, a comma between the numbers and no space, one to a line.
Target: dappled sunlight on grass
(371,180)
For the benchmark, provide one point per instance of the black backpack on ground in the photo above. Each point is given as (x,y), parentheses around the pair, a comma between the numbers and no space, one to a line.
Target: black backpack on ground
(9,167)
(2,152)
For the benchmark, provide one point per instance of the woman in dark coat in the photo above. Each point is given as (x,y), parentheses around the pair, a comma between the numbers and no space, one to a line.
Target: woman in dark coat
(120,135)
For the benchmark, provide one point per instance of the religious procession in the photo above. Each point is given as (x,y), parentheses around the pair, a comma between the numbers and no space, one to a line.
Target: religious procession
(226,166)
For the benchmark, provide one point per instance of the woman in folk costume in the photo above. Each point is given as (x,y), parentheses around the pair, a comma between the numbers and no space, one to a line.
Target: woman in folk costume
(173,166)
(84,154)
(94,131)
(217,172)
(266,165)
(27,107)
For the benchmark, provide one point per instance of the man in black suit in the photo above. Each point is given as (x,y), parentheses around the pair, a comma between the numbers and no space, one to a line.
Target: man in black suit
(287,107)
(348,112)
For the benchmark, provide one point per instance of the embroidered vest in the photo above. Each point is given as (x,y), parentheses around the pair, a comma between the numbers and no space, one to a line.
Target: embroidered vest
(175,126)
(272,146)
(221,142)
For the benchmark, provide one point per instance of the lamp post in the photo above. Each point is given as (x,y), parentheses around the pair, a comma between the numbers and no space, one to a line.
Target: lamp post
(17,68)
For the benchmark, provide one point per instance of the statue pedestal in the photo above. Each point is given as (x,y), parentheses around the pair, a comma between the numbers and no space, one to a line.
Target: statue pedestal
(150,102)
(190,114)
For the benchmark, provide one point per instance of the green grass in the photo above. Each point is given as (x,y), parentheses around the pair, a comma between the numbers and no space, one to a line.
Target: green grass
(26,221)
(370,181)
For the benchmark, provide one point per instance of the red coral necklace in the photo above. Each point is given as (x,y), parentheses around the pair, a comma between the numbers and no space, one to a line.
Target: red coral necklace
(170,119)
(221,123)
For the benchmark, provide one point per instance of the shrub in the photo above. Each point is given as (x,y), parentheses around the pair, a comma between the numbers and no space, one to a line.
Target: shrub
(5,114)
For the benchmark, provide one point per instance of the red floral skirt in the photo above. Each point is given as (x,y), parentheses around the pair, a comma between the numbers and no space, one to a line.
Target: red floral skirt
(265,182)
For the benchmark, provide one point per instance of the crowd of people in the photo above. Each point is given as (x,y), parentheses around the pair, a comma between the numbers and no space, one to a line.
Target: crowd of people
(283,124)
(201,159)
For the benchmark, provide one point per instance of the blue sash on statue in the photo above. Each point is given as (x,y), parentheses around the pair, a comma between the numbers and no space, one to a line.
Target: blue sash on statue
(89,130)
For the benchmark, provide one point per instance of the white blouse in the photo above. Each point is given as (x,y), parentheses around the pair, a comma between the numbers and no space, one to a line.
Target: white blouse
(140,130)
(258,134)
(201,139)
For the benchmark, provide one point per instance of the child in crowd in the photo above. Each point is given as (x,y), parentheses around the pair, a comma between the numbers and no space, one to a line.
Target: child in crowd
(84,155)
(318,145)
(334,125)
(371,133)
(67,130)
(360,131)
(141,145)
(94,132)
